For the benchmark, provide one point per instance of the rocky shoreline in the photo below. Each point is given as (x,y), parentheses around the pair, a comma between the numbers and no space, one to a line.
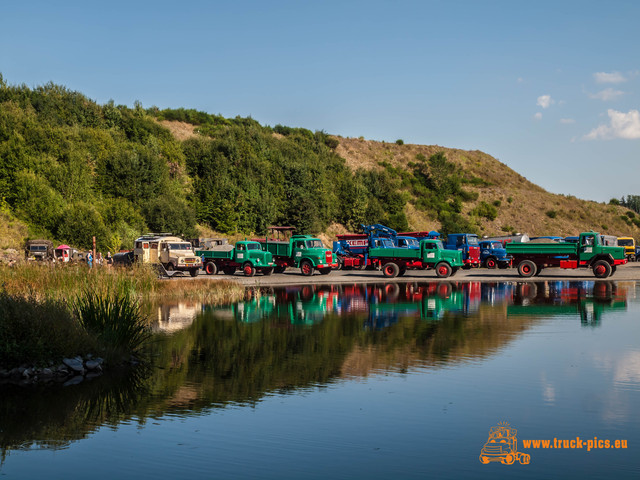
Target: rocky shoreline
(71,371)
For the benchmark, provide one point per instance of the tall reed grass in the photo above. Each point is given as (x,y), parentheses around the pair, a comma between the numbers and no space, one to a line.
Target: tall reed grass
(115,320)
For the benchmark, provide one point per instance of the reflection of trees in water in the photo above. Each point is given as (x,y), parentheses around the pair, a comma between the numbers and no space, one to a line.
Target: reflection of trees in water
(219,360)
(52,416)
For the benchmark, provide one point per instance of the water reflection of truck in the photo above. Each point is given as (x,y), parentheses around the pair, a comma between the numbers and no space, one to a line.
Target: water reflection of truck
(173,253)
(587,299)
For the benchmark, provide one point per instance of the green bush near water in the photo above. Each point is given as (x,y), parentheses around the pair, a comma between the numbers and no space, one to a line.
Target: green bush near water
(41,332)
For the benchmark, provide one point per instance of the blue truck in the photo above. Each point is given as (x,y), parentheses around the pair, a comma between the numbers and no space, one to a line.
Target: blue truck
(468,244)
(493,254)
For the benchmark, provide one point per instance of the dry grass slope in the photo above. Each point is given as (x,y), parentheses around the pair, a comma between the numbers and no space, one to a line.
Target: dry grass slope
(523,205)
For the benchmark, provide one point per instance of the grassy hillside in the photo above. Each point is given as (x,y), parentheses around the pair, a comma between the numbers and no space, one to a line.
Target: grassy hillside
(71,169)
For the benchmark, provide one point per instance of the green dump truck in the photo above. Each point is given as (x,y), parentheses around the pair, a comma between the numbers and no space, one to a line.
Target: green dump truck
(531,258)
(302,251)
(431,254)
(247,255)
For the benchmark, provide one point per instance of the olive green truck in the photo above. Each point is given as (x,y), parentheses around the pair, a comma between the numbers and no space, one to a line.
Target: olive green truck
(431,254)
(531,258)
(301,251)
(246,255)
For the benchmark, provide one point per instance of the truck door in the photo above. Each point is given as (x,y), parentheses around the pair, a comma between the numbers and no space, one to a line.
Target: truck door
(586,245)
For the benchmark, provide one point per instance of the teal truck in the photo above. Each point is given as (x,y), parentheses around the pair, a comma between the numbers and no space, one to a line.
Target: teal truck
(431,254)
(301,251)
(589,252)
(246,255)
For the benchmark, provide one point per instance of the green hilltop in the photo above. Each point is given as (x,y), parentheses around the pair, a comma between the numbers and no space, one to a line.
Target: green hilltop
(71,169)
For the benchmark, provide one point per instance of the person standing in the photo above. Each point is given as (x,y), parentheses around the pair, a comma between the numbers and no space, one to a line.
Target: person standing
(90,260)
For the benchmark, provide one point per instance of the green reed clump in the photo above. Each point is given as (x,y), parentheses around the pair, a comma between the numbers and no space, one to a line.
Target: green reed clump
(115,319)
(39,332)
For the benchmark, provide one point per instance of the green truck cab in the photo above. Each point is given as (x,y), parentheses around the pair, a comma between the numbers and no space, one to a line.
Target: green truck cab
(431,254)
(589,252)
(247,255)
(302,251)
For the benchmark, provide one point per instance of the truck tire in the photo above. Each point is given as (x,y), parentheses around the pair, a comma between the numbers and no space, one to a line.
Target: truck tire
(601,269)
(267,271)
(490,262)
(194,272)
(280,269)
(169,267)
(248,270)
(613,270)
(402,271)
(454,270)
(390,270)
(211,268)
(306,268)
(229,270)
(527,268)
(443,270)
(325,271)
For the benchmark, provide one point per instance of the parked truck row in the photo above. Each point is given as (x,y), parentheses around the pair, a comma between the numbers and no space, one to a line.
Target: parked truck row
(377,247)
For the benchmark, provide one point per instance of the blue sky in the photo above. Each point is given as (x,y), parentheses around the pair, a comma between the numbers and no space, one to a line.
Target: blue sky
(549,88)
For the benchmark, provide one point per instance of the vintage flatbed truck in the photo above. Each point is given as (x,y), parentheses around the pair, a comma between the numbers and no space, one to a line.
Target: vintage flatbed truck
(431,254)
(531,258)
(303,251)
(247,255)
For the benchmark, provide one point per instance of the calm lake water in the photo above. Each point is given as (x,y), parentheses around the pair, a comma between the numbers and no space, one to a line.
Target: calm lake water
(354,381)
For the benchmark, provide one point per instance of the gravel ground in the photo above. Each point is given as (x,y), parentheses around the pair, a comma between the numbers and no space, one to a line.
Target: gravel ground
(628,272)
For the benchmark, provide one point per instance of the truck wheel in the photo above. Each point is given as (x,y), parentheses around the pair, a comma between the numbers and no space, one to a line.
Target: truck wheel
(443,270)
(248,270)
(613,270)
(402,271)
(484,459)
(280,269)
(454,270)
(601,269)
(229,270)
(390,270)
(194,272)
(267,271)
(490,262)
(170,267)
(527,268)
(211,268)
(509,459)
(325,271)
(539,271)
(306,268)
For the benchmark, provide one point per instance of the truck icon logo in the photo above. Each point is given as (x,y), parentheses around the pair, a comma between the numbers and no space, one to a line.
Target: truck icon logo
(502,446)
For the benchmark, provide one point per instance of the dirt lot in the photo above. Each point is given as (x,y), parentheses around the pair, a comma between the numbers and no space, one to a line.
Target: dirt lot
(292,276)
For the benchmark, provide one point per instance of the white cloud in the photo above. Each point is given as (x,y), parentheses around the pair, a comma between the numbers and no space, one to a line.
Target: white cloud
(613,77)
(621,125)
(606,94)
(538,116)
(520,80)
(567,121)
(545,101)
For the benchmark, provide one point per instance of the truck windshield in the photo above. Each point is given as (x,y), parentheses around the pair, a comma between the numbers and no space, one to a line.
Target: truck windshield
(313,244)
(625,242)
(439,245)
(496,245)
(179,246)
(386,243)
(410,242)
(253,246)
(472,240)
(38,248)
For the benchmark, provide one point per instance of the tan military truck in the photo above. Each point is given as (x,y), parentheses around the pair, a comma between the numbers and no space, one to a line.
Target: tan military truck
(174,253)
(38,250)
